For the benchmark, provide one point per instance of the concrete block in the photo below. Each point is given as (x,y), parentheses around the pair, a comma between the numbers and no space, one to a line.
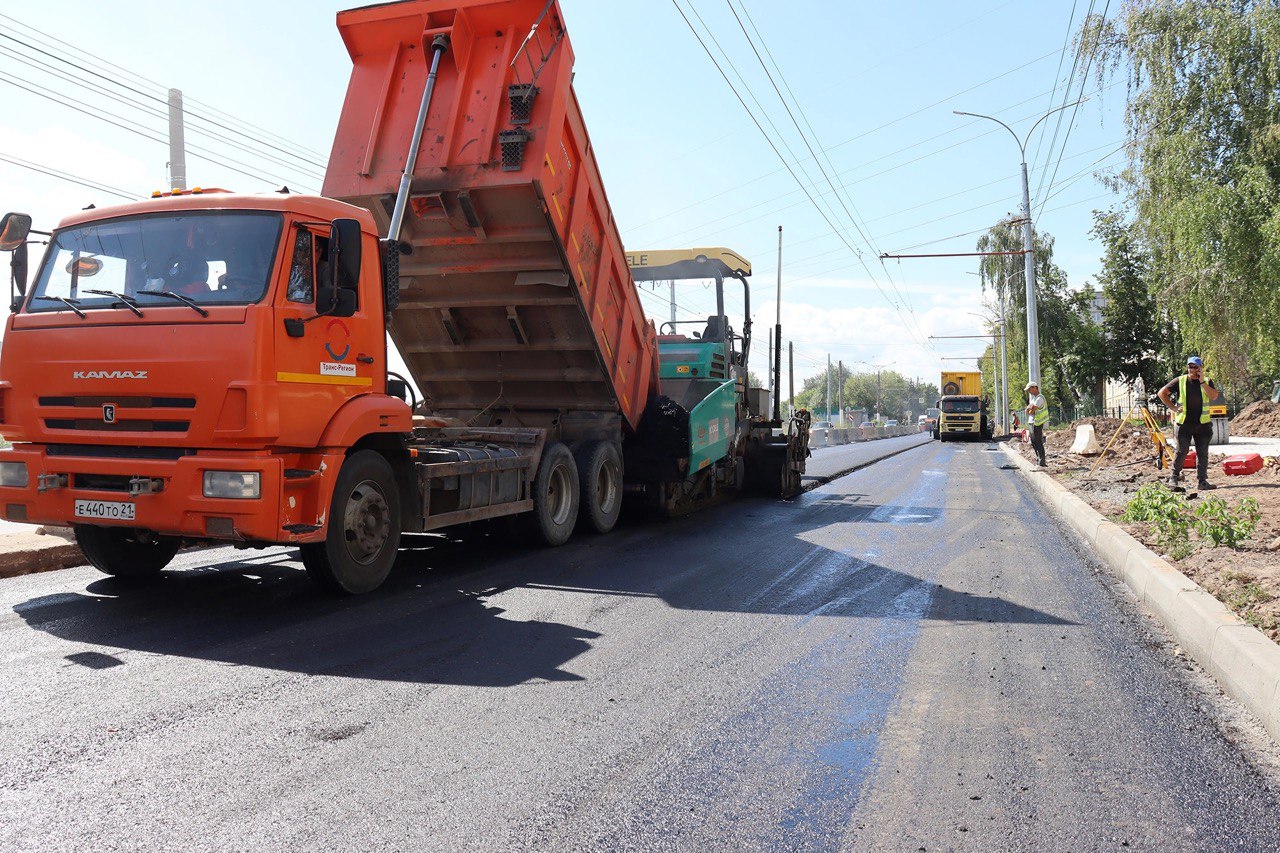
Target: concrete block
(1086,441)
(1114,544)
(1195,619)
(1247,664)
(1138,569)
(1083,517)
(1162,590)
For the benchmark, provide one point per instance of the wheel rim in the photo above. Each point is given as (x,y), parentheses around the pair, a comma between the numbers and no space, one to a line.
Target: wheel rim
(366,522)
(607,486)
(559,495)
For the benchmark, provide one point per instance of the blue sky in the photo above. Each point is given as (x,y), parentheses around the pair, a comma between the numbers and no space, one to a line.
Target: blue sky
(683,162)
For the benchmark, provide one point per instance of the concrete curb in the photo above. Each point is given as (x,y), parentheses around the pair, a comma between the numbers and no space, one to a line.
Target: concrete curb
(1243,660)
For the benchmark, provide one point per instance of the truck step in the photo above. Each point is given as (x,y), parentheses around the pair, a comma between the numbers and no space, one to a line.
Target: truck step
(299,473)
(301,528)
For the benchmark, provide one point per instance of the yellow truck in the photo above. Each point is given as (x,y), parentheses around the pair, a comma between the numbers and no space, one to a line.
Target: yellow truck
(963,412)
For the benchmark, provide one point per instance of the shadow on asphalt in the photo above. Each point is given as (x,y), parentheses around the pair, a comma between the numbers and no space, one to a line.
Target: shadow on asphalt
(431,622)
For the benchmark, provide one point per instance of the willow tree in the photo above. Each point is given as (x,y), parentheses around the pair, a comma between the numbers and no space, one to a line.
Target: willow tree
(1203,123)
(1070,372)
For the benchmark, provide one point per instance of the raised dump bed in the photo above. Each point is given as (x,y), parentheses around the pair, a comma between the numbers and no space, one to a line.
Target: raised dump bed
(516,303)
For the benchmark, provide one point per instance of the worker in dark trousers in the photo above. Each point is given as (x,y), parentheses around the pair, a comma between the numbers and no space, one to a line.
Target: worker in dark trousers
(1191,414)
(1038,415)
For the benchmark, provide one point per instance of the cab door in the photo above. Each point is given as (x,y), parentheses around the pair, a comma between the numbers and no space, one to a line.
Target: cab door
(324,361)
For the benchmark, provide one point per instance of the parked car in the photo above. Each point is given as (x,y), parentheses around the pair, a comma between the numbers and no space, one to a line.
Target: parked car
(866,425)
(821,425)
(891,422)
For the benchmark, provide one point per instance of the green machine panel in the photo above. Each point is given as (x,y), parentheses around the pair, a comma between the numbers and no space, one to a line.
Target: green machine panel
(711,426)
(692,360)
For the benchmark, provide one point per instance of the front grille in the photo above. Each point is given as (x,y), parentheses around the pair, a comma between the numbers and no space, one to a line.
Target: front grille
(106,451)
(119,426)
(98,402)
(102,482)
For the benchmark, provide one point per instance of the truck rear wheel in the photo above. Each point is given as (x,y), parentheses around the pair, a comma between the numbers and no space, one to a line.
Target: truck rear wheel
(555,498)
(126,553)
(600,484)
(360,545)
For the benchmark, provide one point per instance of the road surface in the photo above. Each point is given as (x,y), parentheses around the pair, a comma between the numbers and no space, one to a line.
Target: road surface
(907,658)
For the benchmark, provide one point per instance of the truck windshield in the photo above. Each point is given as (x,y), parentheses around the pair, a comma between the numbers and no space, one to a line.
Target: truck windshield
(211,258)
(963,407)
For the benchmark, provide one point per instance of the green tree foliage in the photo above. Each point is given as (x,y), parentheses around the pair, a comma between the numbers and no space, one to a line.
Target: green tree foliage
(1136,329)
(896,394)
(1203,122)
(1070,346)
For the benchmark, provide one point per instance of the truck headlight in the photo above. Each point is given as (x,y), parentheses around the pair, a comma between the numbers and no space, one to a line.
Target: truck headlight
(13,474)
(241,485)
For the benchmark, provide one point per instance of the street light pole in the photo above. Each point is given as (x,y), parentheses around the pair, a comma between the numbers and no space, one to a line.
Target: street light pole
(1028,248)
(1004,369)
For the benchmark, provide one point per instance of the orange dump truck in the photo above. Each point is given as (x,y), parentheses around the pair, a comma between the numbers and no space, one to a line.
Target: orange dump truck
(210,366)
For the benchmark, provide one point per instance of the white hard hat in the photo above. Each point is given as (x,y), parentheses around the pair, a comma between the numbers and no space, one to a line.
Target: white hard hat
(1031,385)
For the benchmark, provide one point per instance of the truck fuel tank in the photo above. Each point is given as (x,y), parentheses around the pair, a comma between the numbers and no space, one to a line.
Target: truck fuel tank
(447,490)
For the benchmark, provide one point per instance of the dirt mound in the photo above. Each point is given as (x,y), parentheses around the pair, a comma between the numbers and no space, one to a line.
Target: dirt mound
(1130,445)
(1260,419)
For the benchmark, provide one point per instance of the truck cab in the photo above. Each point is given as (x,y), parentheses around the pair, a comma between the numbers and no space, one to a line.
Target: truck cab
(193,365)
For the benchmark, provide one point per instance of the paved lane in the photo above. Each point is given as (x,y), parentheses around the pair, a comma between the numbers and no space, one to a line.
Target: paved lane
(907,657)
(826,462)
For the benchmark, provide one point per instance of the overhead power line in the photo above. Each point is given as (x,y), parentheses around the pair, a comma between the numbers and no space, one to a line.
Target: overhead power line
(81,107)
(259,134)
(68,177)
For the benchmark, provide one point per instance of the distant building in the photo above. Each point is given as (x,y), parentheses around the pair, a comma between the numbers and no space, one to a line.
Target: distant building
(1117,395)
(1096,304)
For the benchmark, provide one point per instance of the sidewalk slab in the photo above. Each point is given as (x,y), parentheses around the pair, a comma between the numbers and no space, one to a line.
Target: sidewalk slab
(29,552)
(1243,660)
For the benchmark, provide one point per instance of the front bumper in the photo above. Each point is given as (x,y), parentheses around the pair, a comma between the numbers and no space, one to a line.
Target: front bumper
(179,507)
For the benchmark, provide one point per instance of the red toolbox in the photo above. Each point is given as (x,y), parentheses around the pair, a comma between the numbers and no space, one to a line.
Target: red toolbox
(1245,463)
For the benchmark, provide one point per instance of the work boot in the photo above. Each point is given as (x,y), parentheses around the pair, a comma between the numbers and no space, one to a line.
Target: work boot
(1205,486)
(1175,485)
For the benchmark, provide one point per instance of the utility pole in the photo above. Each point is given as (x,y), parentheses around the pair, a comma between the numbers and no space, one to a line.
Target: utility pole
(877,395)
(177,143)
(791,357)
(776,367)
(673,304)
(828,402)
(1028,247)
(840,379)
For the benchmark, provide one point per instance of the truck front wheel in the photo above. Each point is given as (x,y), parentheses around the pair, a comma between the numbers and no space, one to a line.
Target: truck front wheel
(600,484)
(126,553)
(360,545)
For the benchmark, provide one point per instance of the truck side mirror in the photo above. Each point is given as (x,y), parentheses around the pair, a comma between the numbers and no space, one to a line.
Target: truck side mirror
(14,229)
(337,293)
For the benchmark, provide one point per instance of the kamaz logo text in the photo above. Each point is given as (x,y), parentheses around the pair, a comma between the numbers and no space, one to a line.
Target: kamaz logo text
(109,374)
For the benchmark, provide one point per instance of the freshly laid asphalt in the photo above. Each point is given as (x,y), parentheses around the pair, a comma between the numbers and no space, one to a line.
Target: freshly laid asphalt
(910,657)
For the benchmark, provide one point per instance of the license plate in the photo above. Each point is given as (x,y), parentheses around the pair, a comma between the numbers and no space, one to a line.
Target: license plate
(110,510)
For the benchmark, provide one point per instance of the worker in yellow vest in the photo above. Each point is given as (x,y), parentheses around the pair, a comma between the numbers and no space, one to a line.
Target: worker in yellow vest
(1038,414)
(1191,414)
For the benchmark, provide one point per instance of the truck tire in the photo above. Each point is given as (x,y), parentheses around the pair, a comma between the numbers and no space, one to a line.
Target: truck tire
(360,545)
(126,553)
(599,484)
(1221,431)
(555,498)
